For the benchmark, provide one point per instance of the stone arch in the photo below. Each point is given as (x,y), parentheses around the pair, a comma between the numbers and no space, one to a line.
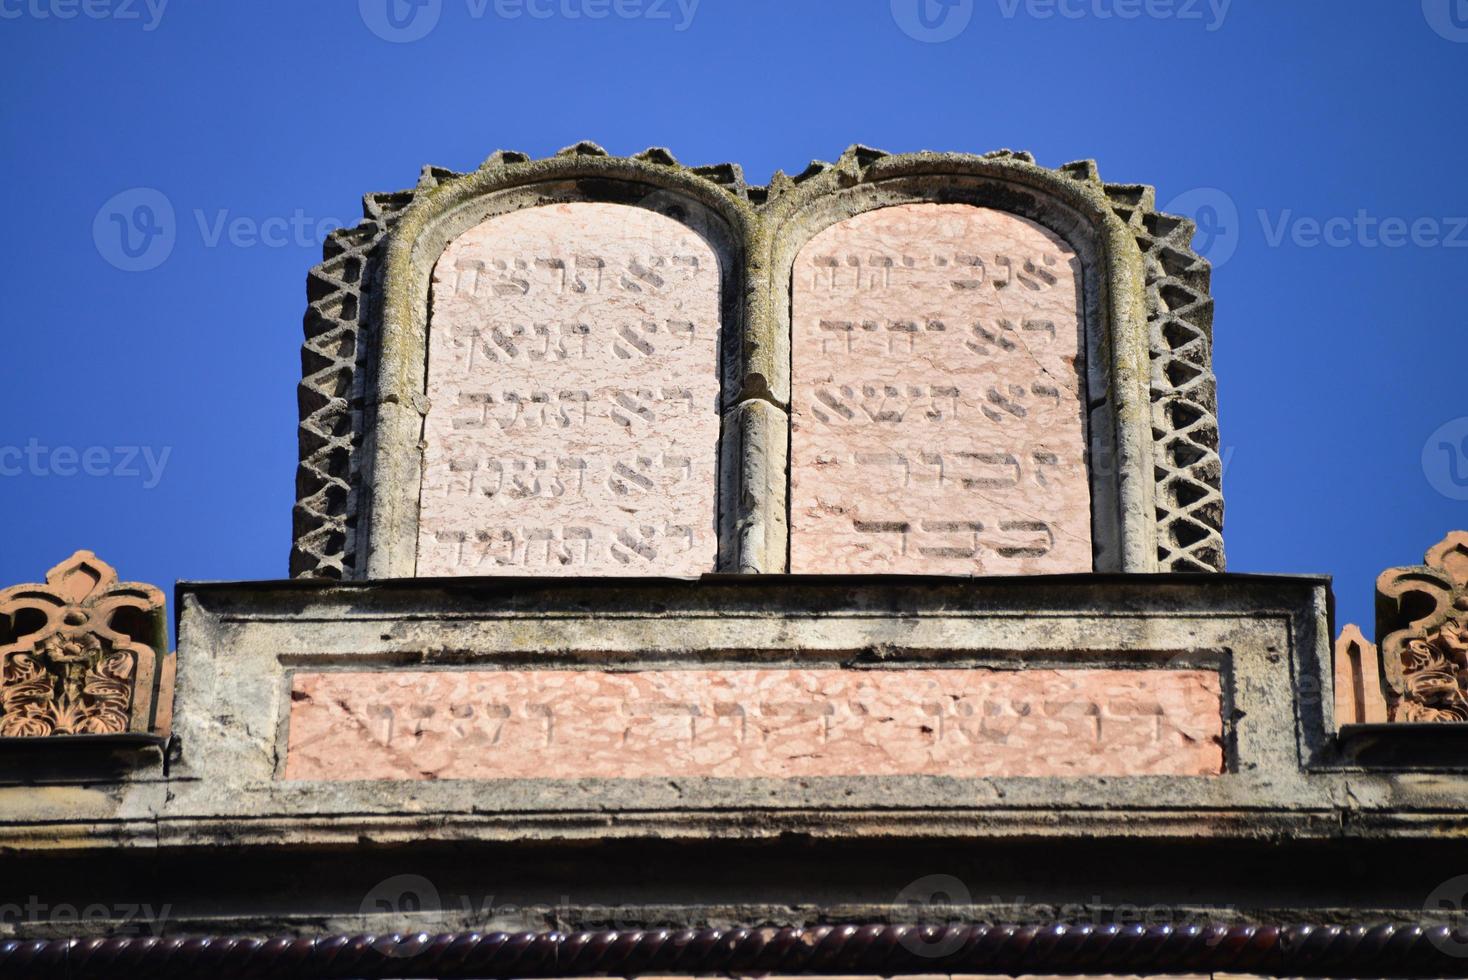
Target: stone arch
(1113,314)
(509,185)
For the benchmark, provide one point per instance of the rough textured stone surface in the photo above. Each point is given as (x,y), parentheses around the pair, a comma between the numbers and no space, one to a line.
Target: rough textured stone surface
(559,724)
(938,402)
(361,393)
(573,379)
(246,642)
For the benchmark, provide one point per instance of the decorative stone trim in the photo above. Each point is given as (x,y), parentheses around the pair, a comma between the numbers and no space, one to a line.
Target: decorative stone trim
(1358,698)
(880,949)
(84,655)
(1422,625)
(1422,633)
(362,406)
(336,359)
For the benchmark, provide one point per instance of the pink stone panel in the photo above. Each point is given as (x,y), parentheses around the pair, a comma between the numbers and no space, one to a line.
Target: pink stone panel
(938,414)
(573,387)
(776,723)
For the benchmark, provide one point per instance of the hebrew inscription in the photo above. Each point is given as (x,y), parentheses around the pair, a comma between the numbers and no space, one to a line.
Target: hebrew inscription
(938,416)
(573,385)
(761,723)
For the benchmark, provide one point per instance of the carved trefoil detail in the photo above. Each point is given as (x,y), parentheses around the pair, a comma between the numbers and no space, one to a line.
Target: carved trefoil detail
(83,654)
(1422,622)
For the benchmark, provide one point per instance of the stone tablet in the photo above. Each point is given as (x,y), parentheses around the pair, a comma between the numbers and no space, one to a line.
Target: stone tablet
(938,398)
(573,386)
(753,723)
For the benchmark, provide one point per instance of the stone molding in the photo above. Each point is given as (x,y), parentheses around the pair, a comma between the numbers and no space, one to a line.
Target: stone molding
(235,720)
(1156,494)
(83,654)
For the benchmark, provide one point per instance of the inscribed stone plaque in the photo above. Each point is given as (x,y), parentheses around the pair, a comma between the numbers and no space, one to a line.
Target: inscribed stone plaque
(573,385)
(755,723)
(938,411)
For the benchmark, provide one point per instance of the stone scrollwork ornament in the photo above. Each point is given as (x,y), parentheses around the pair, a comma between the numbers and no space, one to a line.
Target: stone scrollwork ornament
(83,654)
(1422,617)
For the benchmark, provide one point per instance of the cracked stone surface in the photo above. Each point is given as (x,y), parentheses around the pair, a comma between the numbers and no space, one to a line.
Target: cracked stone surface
(573,383)
(753,723)
(938,407)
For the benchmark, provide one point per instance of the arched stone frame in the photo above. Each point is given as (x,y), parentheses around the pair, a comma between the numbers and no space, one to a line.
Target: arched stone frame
(342,390)
(397,405)
(1124,524)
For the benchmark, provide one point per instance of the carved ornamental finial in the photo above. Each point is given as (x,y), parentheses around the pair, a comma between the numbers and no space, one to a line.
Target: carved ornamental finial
(1422,625)
(1422,629)
(83,655)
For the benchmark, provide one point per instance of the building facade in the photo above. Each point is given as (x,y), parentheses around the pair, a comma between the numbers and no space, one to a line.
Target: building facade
(692,577)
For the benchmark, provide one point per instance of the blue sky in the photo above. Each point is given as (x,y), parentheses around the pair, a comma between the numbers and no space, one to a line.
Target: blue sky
(1322,142)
